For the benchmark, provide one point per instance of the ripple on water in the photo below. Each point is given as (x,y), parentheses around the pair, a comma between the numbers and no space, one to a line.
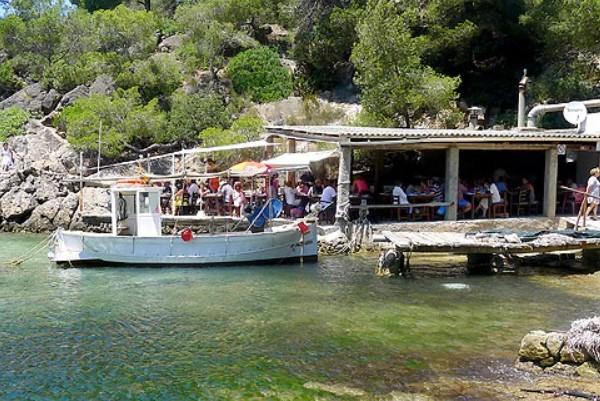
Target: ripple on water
(259,332)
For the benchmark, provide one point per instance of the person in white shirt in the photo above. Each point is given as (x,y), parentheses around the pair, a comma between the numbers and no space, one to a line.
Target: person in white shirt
(193,188)
(398,195)
(7,157)
(290,195)
(328,195)
(593,188)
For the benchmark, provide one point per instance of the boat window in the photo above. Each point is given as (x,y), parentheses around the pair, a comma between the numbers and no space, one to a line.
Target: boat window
(144,203)
(149,203)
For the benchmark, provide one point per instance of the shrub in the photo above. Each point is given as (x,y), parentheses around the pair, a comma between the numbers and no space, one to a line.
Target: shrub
(191,114)
(8,80)
(12,121)
(156,76)
(64,76)
(259,74)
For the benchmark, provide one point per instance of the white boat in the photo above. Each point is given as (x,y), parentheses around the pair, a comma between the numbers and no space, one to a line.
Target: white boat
(137,239)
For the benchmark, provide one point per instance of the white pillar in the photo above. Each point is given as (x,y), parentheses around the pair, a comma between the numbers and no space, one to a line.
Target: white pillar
(343,185)
(550,182)
(451,182)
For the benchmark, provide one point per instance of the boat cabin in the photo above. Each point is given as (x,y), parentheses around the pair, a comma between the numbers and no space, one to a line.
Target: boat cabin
(135,211)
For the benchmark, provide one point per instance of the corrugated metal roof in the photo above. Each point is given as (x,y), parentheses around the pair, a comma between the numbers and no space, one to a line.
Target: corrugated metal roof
(337,133)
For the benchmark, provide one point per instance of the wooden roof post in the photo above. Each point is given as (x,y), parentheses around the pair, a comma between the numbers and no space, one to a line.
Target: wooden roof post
(291,148)
(451,182)
(343,185)
(550,181)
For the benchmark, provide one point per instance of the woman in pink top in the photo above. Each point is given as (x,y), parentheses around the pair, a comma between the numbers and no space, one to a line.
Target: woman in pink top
(360,186)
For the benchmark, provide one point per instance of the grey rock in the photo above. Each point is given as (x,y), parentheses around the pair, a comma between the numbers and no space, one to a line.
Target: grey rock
(171,43)
(95,202)
(547,362)
(555,342)
(50,101)
(16,203)
(533,346)
(77,93)
(46,189)
(104,84)
(29,98)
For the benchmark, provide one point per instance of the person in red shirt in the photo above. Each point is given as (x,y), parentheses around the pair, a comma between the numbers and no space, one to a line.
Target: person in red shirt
(360,186)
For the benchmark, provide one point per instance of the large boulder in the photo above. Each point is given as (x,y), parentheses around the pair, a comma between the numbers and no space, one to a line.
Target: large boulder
(42,149)
(77,93)
(32,98)
(533,346)
(16,203)
(50,101)
(104,84)
(95,202)
(171,43)
(569,355)
(68,206)
(555,343)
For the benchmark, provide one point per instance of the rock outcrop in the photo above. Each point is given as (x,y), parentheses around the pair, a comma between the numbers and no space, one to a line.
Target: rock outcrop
(33,98)
(34,195)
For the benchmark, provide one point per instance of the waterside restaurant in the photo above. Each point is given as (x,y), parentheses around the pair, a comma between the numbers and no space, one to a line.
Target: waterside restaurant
(552,153)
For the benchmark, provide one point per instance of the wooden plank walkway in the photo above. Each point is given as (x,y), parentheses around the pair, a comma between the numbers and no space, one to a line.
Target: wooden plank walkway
(460,243)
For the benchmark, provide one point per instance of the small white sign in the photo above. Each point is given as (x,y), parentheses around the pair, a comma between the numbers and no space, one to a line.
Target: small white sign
(562,149)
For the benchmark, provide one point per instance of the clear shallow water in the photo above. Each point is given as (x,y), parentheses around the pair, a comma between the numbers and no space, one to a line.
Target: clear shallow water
(261,332)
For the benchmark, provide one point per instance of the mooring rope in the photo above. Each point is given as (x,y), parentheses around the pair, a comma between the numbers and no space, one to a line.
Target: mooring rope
(32,252)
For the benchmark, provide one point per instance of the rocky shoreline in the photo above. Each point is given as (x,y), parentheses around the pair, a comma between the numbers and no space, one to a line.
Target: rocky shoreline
(572,353)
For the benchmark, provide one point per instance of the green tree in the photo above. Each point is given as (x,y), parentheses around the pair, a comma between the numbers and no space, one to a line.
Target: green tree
(396,86)
(156,76)
(129,33)
(64,75)
(9,82)
(259,74)
(324,52)
(93,5)
(191,114)
(125,122)
(12,122)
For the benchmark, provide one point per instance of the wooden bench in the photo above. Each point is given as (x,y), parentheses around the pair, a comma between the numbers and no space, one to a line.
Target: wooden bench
(429,206)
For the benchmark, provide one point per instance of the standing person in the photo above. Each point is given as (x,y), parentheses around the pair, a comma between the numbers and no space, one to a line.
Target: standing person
(239,198)
(226,190)
(7,157)
(360,186)
(193,188)
(593,188)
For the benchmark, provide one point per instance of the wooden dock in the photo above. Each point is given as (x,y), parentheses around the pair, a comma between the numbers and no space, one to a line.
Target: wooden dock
(485,243)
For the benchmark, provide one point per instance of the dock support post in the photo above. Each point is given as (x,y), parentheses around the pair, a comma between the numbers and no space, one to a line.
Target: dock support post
(479,263)
(591,259)
(451,182)
(550,182)
(343,186)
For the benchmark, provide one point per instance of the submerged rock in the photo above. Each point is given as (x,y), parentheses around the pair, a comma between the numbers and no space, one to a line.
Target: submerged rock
(588,369)
(337,389)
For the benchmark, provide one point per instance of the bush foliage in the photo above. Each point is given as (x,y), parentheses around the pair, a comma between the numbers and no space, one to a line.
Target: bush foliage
(259,74)
(12,122)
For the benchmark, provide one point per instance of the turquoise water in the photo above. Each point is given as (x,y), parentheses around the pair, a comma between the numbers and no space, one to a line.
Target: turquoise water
(262,333)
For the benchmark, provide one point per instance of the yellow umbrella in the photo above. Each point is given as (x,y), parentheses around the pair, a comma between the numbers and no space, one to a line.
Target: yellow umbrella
(249,169)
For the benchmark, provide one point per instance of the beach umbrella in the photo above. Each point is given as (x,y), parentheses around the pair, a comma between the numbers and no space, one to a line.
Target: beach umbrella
(249,169)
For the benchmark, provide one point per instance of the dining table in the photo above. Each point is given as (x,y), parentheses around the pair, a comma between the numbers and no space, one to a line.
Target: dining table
(478,196)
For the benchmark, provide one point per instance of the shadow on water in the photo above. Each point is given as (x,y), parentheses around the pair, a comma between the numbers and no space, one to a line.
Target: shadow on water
(263,332)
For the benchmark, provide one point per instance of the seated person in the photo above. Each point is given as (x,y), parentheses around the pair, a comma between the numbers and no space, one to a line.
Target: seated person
(316,189)
(327,197)
(463,205)
(527,186)
(360,186)
(290,195)
(398,195)
(501,185)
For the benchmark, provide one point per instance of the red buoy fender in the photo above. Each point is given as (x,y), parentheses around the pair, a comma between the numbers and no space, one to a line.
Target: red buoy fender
(303,227)
(187,235)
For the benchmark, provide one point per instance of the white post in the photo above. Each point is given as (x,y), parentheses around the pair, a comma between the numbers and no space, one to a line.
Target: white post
(451,182)
(113,210)
(343,186)
(80,181)
(550,182)
(99,146)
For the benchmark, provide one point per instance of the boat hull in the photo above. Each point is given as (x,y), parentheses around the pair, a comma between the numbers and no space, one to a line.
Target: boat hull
(282,244)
